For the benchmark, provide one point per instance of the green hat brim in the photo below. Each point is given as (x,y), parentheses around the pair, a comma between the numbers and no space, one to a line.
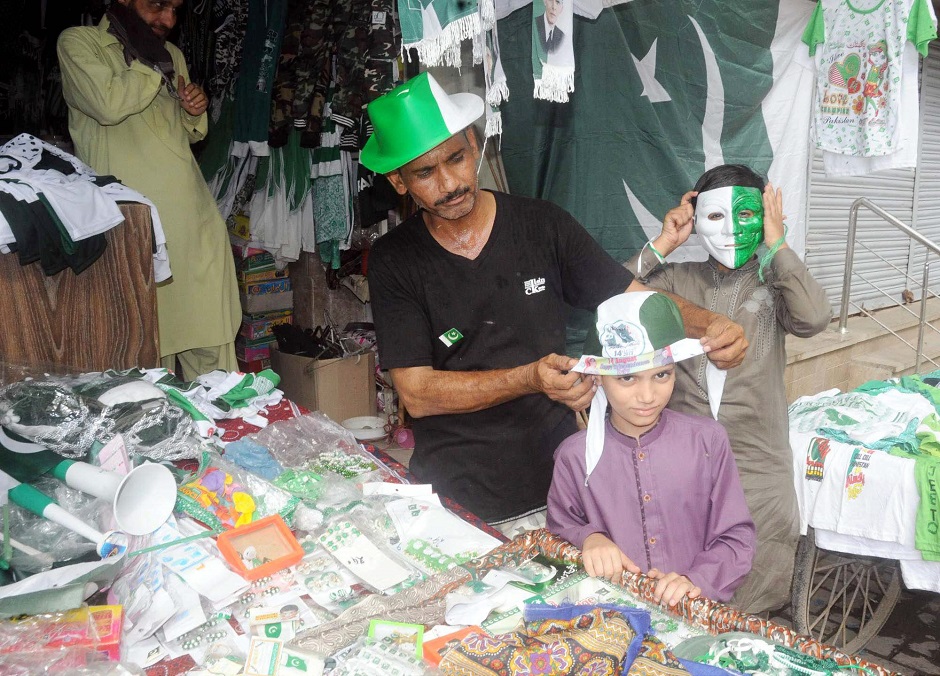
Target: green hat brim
(470,106)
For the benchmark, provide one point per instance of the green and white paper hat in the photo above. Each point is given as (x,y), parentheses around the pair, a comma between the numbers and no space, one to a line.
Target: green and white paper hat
(414,118)
(636,331)
(633,331)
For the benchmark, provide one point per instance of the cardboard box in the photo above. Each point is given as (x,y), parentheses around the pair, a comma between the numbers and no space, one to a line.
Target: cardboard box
(250,260)
(263,288)
(340,388)
(254,366)
(245,278)
(254,350)
(262,326)
(266,302)
(241,226)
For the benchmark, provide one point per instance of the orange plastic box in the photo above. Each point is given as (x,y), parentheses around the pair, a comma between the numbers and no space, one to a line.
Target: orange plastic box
(261,548)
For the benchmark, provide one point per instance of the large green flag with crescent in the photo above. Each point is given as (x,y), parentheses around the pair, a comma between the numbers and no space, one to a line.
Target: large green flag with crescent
(663,91)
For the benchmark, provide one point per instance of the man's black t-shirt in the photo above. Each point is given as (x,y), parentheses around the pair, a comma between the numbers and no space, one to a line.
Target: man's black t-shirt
(505,308)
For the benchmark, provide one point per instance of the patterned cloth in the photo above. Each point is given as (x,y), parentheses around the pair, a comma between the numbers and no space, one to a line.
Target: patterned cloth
(716,618)
(231,20)
(594,643)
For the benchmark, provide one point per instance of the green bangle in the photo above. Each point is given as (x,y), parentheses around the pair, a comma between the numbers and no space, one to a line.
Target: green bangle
(662,259)
(767,257)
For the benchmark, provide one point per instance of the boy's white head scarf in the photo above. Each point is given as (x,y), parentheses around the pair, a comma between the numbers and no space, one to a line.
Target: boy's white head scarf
(633,331)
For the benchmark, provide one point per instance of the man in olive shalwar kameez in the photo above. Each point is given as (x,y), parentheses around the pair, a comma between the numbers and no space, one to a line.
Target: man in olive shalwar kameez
(133,114)
(769,296)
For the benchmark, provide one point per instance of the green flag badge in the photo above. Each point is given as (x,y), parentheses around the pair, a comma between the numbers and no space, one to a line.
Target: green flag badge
(450,337)
(295,662)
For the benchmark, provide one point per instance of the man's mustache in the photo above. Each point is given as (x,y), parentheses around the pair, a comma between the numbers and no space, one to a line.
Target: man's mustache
(453,195)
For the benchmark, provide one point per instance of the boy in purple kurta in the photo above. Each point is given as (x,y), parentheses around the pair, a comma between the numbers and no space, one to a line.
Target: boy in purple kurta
(645,488)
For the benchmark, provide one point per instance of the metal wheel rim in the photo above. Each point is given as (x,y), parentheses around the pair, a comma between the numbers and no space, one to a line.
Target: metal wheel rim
(841,599)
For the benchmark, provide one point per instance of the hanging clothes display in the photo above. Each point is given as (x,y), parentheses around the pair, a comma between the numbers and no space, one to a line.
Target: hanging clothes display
(335,56)
(231,20)
(859,83)
(256,77)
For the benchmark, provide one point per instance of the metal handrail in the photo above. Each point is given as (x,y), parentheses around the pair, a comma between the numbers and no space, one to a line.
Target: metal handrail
(849,261)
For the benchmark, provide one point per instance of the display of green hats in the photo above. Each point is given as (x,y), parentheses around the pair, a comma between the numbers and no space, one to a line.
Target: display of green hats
(633,332)
(412,119)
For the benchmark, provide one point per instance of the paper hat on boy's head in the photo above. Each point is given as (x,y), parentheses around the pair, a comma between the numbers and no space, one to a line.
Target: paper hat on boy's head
(636,331)
(414,118)
(633,331)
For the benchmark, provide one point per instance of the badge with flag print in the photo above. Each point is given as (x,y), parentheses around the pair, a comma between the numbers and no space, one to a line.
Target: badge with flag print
(450,337)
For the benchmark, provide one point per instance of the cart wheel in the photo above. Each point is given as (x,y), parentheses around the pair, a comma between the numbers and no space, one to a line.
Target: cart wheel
(842,599)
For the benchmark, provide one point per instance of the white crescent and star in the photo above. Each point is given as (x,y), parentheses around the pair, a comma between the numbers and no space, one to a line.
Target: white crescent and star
(713,123)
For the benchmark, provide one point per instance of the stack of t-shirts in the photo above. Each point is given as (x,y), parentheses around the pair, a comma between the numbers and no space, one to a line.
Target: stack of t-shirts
(54,209)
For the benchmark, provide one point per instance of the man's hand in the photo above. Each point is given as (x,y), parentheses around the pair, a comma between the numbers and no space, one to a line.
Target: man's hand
(192,98)
(552,375)
(603,558)
(773,217)
(671,587)
(677,226)
(724,342)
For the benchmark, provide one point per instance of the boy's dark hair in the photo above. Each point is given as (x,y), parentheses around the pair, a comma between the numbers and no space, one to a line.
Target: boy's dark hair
(726,175)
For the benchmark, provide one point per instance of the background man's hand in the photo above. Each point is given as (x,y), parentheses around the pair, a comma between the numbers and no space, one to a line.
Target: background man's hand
(603,558)
(677,225)
(192,98)
(671,587)
(552,375)
(724,342)
(773,216)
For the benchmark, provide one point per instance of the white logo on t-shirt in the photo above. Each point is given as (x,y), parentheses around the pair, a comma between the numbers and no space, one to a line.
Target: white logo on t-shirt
(534,285)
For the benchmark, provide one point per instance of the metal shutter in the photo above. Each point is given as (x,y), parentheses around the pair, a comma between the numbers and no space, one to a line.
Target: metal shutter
(829,202)
(928,184)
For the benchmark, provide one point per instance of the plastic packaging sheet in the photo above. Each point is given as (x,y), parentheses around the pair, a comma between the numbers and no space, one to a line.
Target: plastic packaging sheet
(369,657)
(221,495)
(313,441)
(71,662)
(68,414)
(56,542)
(68,642)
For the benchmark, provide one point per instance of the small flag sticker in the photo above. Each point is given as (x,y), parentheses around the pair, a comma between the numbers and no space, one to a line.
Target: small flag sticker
(451,337)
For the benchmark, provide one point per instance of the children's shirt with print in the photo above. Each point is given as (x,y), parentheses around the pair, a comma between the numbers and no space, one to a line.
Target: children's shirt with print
(860,69)
(671,501)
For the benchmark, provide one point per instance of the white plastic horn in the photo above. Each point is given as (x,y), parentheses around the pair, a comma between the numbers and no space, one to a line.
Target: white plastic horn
(143,500)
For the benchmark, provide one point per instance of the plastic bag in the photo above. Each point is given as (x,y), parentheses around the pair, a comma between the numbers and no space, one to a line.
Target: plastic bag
(69,414)
(57,542)
(79,641)
(392,656)
(223,495)
(315,442)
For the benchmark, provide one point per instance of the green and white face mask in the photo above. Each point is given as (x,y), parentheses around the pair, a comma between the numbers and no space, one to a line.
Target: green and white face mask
(731,223)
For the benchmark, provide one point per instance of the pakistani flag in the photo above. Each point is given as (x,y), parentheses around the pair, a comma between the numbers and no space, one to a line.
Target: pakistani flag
(663,91)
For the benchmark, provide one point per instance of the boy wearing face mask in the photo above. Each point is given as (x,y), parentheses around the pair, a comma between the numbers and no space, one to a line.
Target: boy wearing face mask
(770,293)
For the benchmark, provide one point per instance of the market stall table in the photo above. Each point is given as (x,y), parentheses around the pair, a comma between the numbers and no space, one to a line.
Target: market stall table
(858,510)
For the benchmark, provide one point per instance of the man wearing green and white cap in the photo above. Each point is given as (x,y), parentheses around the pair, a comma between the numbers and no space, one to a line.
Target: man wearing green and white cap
(470,298)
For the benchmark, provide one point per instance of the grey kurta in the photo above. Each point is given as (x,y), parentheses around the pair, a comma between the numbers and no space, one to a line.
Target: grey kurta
(754,405)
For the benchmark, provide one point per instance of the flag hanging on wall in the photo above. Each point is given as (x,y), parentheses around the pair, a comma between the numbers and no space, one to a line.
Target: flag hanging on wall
(663,91)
